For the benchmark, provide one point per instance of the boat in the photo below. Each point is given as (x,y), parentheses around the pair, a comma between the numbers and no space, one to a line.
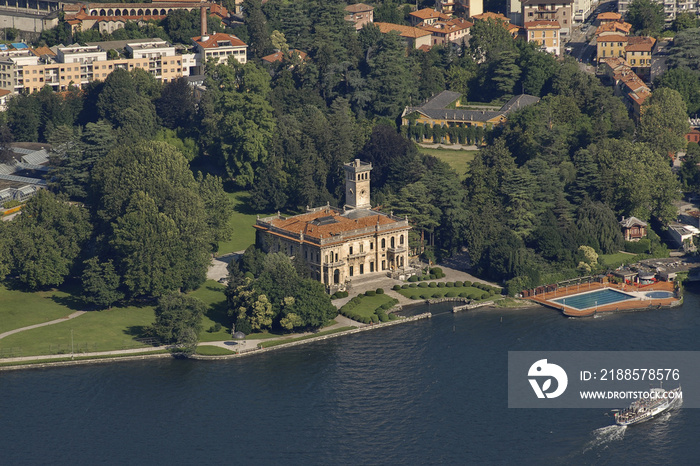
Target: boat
(659,401)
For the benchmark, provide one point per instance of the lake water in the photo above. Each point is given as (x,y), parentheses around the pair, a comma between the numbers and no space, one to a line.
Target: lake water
(433,391)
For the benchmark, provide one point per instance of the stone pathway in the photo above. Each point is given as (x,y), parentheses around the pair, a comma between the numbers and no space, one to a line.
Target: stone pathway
(44,324)
(218,267)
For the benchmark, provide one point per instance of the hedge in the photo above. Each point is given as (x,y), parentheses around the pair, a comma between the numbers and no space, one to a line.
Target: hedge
(397,287)
(423,285)
(467,283)
(379,291)
(463,294)
(413,278)
(424,296)
(433,285)
(375,318)
(437,295)
(441,285)
(435,271)
(458,284)
(451,294)
(413,285)
(370,293)
(449,285)
(405,287)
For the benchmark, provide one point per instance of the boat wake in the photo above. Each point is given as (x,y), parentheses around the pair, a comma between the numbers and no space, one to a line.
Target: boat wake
(605,435)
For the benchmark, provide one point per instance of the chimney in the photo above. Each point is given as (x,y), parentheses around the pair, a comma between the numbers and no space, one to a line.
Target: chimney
(203,21)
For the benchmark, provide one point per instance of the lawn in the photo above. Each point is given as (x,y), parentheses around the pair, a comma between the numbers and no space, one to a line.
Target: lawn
(21,309)
(95,331)
(615,260)
(369,304)
(241,221)
(212,294)
(207,350)
(435,293)
(457,159)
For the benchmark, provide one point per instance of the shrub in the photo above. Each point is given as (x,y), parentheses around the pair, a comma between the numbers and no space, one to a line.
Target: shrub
(437,295)
(413,285)
(433,276)
(423,285)
(406,286)
(249,275)
(463,294)
(433,285)
(472,296)
(382,315)
(484,294)
(375,318)
(435,270)
(451,294)
(467,283)
(379,291)
(214,328)
(393,317)
(449,285)
(388,305)
(398,287)
(415,296)
(370,293)
(424,296)
(441,285)
(413,278)
(458,284)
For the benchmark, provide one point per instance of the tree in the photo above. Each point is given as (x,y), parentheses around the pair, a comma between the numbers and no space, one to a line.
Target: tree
(6,139)
(23,117)
(646,16)
(154,217)
(47,239)
(390,79)
(684,50)
(237,123)
(257,28)
(488,39)
(179,320)
(684,21)
(101,283)
(664,121)
(686,82)
(121,104)
(505,72)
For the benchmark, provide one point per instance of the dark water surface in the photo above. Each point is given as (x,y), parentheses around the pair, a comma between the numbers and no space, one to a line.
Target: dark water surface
(428,392)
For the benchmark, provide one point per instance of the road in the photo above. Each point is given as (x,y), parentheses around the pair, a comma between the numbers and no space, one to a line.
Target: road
(582,41)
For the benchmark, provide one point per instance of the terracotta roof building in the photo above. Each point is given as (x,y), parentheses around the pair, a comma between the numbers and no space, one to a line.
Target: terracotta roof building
(452,31)
(220,47)
(359,14)
(340,245)
(414,37)
(427,16)
(545,34)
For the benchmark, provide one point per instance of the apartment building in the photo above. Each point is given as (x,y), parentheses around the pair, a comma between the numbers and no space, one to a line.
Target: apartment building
(545,34)
(26,71)
(549,10)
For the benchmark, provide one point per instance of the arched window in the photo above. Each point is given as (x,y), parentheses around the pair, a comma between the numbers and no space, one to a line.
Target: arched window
(132,12)
(383,243)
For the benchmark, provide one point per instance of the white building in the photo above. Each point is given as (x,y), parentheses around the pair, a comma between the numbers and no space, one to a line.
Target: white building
(220,47)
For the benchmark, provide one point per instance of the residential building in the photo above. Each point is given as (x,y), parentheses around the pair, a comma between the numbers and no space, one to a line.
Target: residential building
(445,6)
(693,135)
(341,245)
(635,91)
(413,37)
(638,54)
(359,14)
(608,17)
(581,10)
(545,34)
(614,27)
(220,47)
(514,8)
(444,110)
(549,10)
(427,16)
(633,229)
(444,32)
(29,71)
(610,45)
(491,16)
(281,56)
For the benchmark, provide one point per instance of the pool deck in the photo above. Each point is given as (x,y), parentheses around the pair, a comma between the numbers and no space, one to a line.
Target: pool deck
(642,302)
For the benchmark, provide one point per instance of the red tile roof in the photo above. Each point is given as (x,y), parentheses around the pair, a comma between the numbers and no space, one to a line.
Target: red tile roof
(640,44)
(277,56)
(404,31)
(337,225)
(429,13)
(609,16)
(214,39)
(542,24)
(358,7)
(612,38)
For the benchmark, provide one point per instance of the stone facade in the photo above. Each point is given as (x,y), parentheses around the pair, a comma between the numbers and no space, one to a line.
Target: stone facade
(340,245)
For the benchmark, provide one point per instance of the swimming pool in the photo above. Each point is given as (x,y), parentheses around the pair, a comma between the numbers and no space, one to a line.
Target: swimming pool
(594,298)
(659,294)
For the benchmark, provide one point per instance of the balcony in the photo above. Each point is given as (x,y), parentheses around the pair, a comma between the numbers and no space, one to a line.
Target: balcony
(357,255)
(332,265)
(396,250)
